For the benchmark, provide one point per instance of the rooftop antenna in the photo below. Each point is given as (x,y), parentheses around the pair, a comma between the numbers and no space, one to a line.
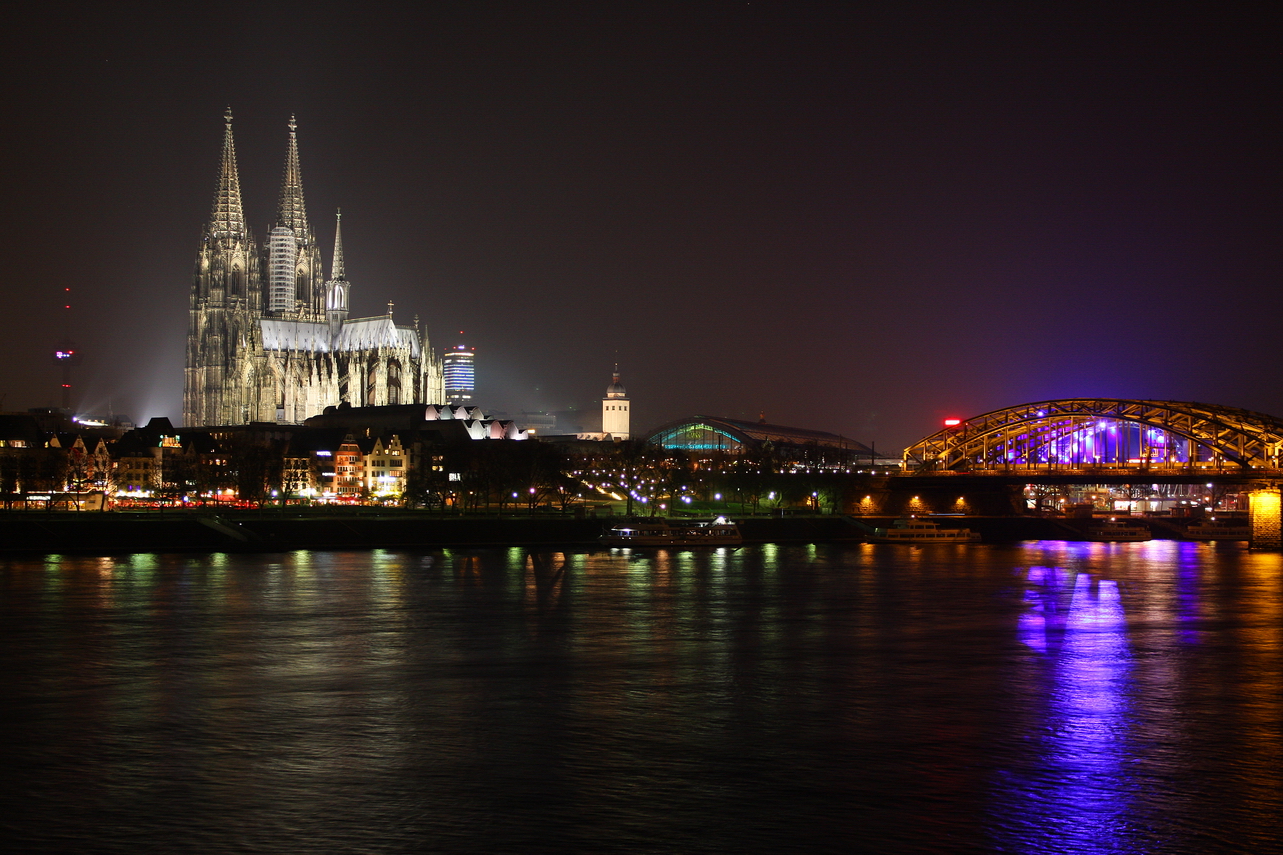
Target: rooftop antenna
(66,353)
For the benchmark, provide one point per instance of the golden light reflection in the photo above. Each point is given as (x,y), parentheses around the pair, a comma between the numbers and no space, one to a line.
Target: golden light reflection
(1260,639)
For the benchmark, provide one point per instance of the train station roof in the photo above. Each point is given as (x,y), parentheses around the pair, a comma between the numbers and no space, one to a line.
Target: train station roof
(714,433)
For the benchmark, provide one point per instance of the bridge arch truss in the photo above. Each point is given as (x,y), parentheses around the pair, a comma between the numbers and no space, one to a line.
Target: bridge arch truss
(1094,433)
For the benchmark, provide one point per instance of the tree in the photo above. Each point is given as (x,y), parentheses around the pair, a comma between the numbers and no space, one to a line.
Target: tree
(255,468)
(42,470)
(636,467)
(79,468)
(294,477)
(8,479)
(177,475)
(543,466)
(424,488)
(673,476)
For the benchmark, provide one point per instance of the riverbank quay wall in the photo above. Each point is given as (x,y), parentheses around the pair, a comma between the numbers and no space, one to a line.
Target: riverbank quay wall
(898,496)
(267,531)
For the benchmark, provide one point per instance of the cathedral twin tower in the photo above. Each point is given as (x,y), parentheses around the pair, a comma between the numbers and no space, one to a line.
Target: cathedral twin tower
(269,338)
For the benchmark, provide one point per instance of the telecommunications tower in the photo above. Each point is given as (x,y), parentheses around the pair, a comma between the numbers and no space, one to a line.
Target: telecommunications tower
(66,353)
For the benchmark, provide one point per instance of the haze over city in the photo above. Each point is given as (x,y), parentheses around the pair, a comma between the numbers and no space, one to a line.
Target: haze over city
(850,220)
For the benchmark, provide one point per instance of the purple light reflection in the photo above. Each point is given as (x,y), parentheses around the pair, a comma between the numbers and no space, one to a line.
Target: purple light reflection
(1032,625)
(1042,621)
(1077,797)
(1187,591)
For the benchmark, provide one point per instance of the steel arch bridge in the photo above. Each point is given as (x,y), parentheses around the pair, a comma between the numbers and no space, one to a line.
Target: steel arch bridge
(1097,434)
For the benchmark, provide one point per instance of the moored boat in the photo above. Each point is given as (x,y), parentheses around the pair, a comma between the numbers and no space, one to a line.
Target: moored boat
(658,532)
(1114,530)
(1214,529)
(914,530)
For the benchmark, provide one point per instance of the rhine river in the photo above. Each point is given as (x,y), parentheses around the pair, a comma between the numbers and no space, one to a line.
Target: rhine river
(1027,698)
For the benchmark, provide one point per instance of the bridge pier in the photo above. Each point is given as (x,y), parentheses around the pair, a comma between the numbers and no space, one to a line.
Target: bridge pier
(1263,511)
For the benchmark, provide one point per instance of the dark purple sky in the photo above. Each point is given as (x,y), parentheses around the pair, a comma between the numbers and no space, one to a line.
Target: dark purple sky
(856,221)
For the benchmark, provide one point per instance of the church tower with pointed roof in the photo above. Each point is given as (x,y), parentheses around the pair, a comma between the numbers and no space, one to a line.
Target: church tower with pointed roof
(337,287)
(614,409)
(294,257)
(226,296)
(269,338)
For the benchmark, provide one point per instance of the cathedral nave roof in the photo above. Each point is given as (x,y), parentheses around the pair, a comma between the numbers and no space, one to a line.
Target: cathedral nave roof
(369,333)
(295,335)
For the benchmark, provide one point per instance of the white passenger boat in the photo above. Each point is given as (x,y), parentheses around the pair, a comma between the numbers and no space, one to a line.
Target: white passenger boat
(914,530)
(1114,530)
(1214,529)
(658,532)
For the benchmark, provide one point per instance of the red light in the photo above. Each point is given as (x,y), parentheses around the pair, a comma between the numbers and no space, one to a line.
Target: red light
(952,422)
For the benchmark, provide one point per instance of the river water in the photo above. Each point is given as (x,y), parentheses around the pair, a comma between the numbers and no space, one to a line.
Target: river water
(1035,697)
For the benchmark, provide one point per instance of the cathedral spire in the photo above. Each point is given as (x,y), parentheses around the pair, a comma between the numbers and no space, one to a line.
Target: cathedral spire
(336,269)
(227,220)
(336,290)
(292,213)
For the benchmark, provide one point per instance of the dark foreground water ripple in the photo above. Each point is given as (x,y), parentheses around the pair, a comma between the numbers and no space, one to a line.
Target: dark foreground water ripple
(1044,697)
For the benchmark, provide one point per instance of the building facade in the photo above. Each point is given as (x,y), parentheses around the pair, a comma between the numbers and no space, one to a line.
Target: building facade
(269,338)
(460,374)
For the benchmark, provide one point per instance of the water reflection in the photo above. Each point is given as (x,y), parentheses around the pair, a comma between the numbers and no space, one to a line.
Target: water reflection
(1079,800)
(545,578)
(1089,721)
(1099,698)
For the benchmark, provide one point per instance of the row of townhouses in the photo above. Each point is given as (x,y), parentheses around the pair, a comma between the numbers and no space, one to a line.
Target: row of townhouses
(345,454)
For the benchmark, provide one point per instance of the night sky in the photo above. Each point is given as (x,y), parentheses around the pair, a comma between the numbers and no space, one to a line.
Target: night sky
(850,219)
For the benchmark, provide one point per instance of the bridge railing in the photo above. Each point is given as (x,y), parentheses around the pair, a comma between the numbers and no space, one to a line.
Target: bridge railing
(1209,468)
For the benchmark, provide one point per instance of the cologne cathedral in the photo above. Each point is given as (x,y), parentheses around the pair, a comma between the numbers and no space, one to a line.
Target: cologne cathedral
(269,338)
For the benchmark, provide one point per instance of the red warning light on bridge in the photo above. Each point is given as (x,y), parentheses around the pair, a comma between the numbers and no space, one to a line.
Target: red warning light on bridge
(952,422)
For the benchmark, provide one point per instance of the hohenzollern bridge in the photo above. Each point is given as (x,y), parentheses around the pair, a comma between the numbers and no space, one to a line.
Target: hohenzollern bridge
(1115,441)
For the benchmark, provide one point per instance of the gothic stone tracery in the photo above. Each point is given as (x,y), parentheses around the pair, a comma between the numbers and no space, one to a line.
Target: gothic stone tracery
(269,338)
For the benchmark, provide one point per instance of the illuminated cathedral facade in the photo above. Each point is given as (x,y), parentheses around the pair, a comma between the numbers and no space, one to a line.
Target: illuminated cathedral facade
(269,338)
